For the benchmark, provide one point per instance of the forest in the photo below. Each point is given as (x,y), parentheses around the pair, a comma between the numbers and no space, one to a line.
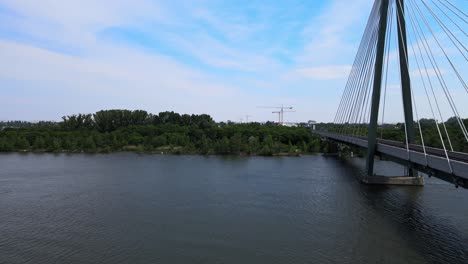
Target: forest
(172,133)
(166,132)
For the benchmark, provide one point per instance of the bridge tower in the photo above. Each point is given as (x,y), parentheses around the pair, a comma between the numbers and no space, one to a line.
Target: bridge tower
(377,85)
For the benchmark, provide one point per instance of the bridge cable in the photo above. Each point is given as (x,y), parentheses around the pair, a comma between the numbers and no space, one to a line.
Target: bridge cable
(448,17)
(362,85)
(463,13)
(449,34)
(387,56)
(445,27)
(357,84)
(416,32)
(427,96)
(355,64)
(363,78)
(413,23)
(358,60)
(414,100)
(365,114)
(357,81)
(365,93)
(426,47)
(363,71)
(443,84)
(365,117)
(440,77)
(361,95)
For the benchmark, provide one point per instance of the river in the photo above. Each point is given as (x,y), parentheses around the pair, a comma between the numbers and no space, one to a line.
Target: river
(130,208)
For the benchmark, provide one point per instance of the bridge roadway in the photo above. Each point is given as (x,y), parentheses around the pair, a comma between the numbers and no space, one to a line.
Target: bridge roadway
(434,162)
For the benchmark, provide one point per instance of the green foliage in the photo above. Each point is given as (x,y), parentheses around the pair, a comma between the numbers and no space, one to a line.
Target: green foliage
(88,144)
(6,145)
(39,143)
(75,122)
(236,145)
(22,143)
(253,145)
(169,132)
(222,146)
(114,130)
(56,145)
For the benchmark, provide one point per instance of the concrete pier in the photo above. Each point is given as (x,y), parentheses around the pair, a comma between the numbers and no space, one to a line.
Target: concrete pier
(390,180)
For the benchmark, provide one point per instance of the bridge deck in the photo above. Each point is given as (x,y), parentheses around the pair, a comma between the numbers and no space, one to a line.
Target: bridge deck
(435,162)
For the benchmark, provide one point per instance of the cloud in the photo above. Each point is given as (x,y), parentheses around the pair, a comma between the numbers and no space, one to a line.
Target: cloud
(217,54)
(332,35)
(331,42)
(38,67)
(150,81)
(188,56)
(325,72)
(74,24)
(60,55)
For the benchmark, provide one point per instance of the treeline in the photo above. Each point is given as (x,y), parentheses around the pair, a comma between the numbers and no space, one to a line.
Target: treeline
(110,120)
(429,127)
(18,123)
(168,132)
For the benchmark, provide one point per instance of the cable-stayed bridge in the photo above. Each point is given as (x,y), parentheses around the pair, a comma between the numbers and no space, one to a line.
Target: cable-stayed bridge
(421,46)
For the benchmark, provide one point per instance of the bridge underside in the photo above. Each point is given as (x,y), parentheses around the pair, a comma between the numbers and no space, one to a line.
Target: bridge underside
(433,163)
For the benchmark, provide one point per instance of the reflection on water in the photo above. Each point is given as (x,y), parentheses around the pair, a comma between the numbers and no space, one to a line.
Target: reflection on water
(127,208)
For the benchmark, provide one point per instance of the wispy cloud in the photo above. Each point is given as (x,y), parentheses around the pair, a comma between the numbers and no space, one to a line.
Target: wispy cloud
(325,72)
(334,34)
(217,55)
(193,56)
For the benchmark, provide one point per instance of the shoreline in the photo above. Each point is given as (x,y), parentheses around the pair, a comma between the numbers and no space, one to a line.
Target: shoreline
(159,153)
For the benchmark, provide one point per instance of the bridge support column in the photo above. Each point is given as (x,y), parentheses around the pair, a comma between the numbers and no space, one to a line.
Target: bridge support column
(386,180)
(372,137)
(333,147)
(404,74)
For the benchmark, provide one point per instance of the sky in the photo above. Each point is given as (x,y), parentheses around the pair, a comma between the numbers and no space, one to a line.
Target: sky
(223,58)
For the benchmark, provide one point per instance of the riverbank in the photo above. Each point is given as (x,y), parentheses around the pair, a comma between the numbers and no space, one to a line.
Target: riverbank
(167,150)
(168,132)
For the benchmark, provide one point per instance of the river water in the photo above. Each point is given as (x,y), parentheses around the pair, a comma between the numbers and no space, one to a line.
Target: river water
(129,208)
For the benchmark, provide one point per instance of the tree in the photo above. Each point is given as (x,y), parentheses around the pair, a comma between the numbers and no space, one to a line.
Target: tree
(159,141)
(39,143)
(109,130)
(135,139)
(6,145)
(222,146)
(88,144)
(68,144)
(22,143)
(236,143)
(205,145)
(254,145)
(266,151)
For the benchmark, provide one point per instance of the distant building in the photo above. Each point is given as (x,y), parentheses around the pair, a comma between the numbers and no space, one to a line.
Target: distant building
(290,124)
(312,124)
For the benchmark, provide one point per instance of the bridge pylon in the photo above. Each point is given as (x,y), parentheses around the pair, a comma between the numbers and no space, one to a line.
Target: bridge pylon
(377,85)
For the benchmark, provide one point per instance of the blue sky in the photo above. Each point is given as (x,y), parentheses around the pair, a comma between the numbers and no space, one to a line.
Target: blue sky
(223,58)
